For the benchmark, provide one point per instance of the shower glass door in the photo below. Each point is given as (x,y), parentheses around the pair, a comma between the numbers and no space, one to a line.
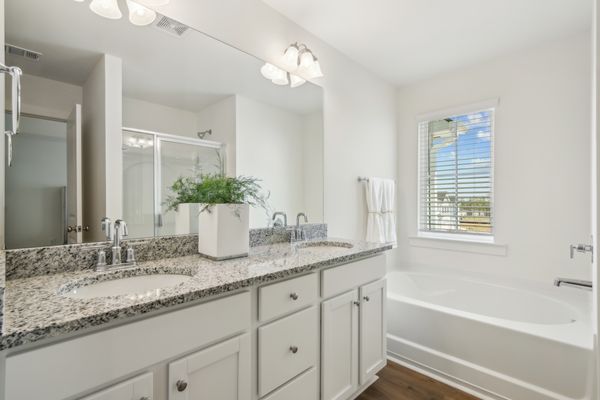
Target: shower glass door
(138,183)
(151,163)
(180,159)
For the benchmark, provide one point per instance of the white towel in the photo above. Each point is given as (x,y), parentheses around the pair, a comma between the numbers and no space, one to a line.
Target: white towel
(387,209)
(381,226)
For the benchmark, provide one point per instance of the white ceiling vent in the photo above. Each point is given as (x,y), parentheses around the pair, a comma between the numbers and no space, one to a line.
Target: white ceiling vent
(21,52)
(171,26)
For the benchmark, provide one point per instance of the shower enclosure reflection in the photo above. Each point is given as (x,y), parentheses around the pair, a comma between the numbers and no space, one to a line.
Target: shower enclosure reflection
(152,161)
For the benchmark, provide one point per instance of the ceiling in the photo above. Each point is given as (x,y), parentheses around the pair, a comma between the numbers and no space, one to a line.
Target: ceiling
(188,72)
(405,41)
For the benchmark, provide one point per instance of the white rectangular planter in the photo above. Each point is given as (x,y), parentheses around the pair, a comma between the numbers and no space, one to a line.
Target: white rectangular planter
(223,231)
(186,218)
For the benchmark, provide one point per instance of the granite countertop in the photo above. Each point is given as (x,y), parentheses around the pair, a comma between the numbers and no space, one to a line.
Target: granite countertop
(36,308)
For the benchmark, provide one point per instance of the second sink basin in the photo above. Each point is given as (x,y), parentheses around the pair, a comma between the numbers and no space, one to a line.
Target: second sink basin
(134,287)
(324,246)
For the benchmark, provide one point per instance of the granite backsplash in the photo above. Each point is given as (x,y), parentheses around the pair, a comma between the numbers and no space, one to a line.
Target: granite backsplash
(25,263)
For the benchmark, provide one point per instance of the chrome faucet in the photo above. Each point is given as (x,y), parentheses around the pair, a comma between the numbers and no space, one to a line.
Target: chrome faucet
(279,213)
(581,248)
(116,248)
(120,231)
(574,283)
(299,232)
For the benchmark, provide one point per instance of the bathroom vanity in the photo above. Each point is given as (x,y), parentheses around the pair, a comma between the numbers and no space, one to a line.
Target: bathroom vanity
(293,321)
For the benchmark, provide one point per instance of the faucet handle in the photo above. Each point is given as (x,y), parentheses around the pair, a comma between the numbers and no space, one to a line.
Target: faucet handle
(106,226)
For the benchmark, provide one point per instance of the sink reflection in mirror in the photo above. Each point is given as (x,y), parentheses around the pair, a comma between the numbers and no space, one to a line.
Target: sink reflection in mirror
(135,118)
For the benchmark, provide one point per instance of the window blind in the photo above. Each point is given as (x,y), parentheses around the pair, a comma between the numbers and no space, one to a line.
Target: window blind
(456,174)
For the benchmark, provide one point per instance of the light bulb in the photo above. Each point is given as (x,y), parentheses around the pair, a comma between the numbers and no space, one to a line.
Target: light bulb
(296,81)
(106,8)
(140,15)
(281,79)
(271,72)
(314,71)
(290,57)
(306,60)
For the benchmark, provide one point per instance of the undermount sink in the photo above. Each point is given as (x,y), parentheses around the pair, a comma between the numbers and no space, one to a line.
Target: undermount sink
(323,246)
(134,287)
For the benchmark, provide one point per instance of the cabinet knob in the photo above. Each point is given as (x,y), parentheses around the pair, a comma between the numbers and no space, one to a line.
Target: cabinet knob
(366,298)
(294,349)
(181,385)
(357,303)
(294,296)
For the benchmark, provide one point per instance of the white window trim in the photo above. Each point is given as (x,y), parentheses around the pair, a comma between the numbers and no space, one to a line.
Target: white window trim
(460,245)
(457,237)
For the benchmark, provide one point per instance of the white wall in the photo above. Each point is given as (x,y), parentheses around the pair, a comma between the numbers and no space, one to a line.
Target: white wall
(359,107)
(220,118)
(102,146)
(270,146)
(47,98)
(542,159)
(142,114)
(313,166)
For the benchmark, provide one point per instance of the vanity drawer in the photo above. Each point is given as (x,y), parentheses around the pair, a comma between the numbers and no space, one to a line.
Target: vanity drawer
(304,387)
(284,297)
(349,276)
(286,348)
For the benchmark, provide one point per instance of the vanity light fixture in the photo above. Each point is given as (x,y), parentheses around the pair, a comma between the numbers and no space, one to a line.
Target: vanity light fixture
(139,13)
(106,8)
(301,63)
(138,142)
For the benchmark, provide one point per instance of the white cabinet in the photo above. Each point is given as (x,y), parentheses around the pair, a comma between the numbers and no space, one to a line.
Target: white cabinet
(286,348)
(138,388)
(339,346)
(353,340)
(372,329)
(220,372)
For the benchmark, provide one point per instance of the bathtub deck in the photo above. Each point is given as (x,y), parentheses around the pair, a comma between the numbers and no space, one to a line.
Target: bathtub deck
(399,383)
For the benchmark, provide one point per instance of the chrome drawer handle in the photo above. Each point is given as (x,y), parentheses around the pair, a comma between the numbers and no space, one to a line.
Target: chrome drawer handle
(181,385)
(366,298)
(294,349)
(294,296)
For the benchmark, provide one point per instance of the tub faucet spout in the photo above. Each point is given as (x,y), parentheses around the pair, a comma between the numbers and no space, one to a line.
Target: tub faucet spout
(574,283)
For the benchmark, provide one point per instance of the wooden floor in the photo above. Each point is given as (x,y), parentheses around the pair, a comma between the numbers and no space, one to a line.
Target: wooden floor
(400,383)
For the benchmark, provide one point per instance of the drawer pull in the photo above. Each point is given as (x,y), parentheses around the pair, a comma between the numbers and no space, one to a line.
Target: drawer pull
(357,303)
(181,385)
(294,296)
(294,349)
(366,298)
(145,398)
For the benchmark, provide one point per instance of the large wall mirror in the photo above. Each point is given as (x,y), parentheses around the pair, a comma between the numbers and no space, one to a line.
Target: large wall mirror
(113,113)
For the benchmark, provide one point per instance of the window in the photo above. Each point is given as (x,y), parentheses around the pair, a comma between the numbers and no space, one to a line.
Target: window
(456,174)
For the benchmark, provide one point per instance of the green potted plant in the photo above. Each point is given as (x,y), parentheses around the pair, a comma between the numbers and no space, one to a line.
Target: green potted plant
(222,205)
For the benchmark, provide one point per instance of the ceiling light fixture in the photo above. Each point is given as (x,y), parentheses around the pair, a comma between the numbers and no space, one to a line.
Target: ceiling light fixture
(139,13)
(300,64)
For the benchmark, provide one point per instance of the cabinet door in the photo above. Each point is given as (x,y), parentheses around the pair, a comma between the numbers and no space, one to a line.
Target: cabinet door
(372,329)
(138,388)
(339,359)
(220,372)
